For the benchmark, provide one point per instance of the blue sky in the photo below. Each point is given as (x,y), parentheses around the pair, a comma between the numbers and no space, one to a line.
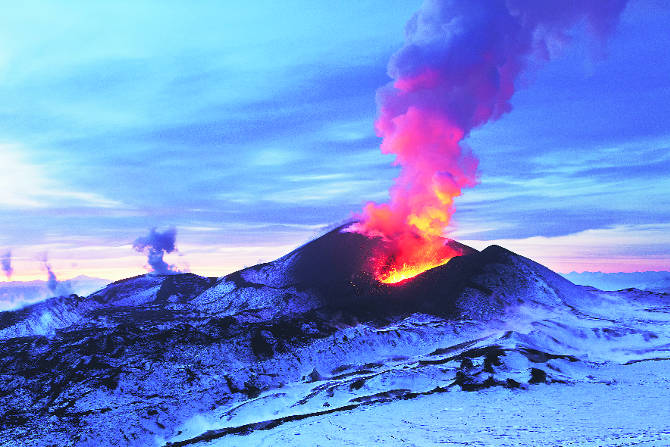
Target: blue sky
(249,127)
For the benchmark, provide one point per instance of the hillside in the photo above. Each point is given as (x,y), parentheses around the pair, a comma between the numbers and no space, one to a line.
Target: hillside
(189,360)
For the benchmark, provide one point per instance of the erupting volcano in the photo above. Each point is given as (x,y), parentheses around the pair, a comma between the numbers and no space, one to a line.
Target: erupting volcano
(456,71)
(435,168)
(411,255)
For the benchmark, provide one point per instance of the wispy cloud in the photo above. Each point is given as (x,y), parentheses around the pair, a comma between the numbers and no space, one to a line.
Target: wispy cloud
(620,248)
(29,185)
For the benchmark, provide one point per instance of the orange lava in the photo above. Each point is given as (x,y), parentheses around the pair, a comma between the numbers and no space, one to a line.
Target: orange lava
(397,275)
(435,169)
(410,254)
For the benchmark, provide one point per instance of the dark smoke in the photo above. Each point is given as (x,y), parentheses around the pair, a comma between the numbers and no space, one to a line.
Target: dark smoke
(56,287)
(52,281)
(154,246)
(458,70)
(7,264)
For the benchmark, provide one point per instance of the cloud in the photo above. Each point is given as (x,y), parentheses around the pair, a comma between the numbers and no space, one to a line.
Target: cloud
(29,185)
(617,248)
(303,104)
(554,194)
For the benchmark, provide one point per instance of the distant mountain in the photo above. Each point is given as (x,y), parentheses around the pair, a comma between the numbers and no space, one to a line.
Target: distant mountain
(187,360)
(17,294)
(654,281)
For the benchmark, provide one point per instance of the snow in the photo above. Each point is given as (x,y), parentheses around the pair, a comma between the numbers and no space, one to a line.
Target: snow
(403,375)
(632,411)
(490,349)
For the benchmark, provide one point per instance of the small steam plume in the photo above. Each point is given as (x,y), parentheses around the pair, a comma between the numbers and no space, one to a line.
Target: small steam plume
(154,246)
(55,286)
(456,72)
(52,281)
(6,262)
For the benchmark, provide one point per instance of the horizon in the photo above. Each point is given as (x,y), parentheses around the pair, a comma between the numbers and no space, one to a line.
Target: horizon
(14,278)
(252,137)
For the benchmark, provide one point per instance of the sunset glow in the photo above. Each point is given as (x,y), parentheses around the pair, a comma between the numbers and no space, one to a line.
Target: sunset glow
(131,117)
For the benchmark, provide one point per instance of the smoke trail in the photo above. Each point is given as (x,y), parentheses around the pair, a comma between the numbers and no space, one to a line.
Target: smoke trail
(52,281)
(7,264)
(56,287)
(154,246)
(456,72)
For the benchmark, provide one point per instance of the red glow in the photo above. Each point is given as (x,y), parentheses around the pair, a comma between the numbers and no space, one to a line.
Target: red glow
(410,256)
(435,169)
(456,72)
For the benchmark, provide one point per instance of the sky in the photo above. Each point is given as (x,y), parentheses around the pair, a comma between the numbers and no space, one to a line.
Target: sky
(248,127)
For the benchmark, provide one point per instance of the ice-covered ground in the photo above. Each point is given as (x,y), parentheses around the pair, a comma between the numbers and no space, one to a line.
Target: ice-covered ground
(629,407)
(597,375)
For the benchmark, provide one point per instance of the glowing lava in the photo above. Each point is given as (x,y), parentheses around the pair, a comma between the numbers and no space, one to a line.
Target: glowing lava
(396,275)
(435,169)
(406,257)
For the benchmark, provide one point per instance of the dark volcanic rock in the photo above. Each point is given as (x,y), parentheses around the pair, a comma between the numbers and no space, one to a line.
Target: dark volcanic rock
(332,274)
(132,362)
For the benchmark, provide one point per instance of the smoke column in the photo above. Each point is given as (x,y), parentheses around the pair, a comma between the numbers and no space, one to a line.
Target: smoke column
(52,281)
(456,72)
(154,246)
(55,286)
(6,262)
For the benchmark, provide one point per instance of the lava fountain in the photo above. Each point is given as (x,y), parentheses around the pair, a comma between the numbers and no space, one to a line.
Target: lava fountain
(456,72)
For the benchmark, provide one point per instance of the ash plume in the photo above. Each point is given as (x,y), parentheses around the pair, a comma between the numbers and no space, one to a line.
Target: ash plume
(456,72)
(155,245)
(6,262)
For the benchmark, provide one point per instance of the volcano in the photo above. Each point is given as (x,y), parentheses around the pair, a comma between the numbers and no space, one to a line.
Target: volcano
(313,338)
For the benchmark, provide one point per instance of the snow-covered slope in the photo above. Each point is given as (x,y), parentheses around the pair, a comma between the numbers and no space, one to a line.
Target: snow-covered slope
(188,360)
(17,294)
(152,291)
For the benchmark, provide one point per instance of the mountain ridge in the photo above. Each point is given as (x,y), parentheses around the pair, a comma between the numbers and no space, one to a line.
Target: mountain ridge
(17,294)
(160,359)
